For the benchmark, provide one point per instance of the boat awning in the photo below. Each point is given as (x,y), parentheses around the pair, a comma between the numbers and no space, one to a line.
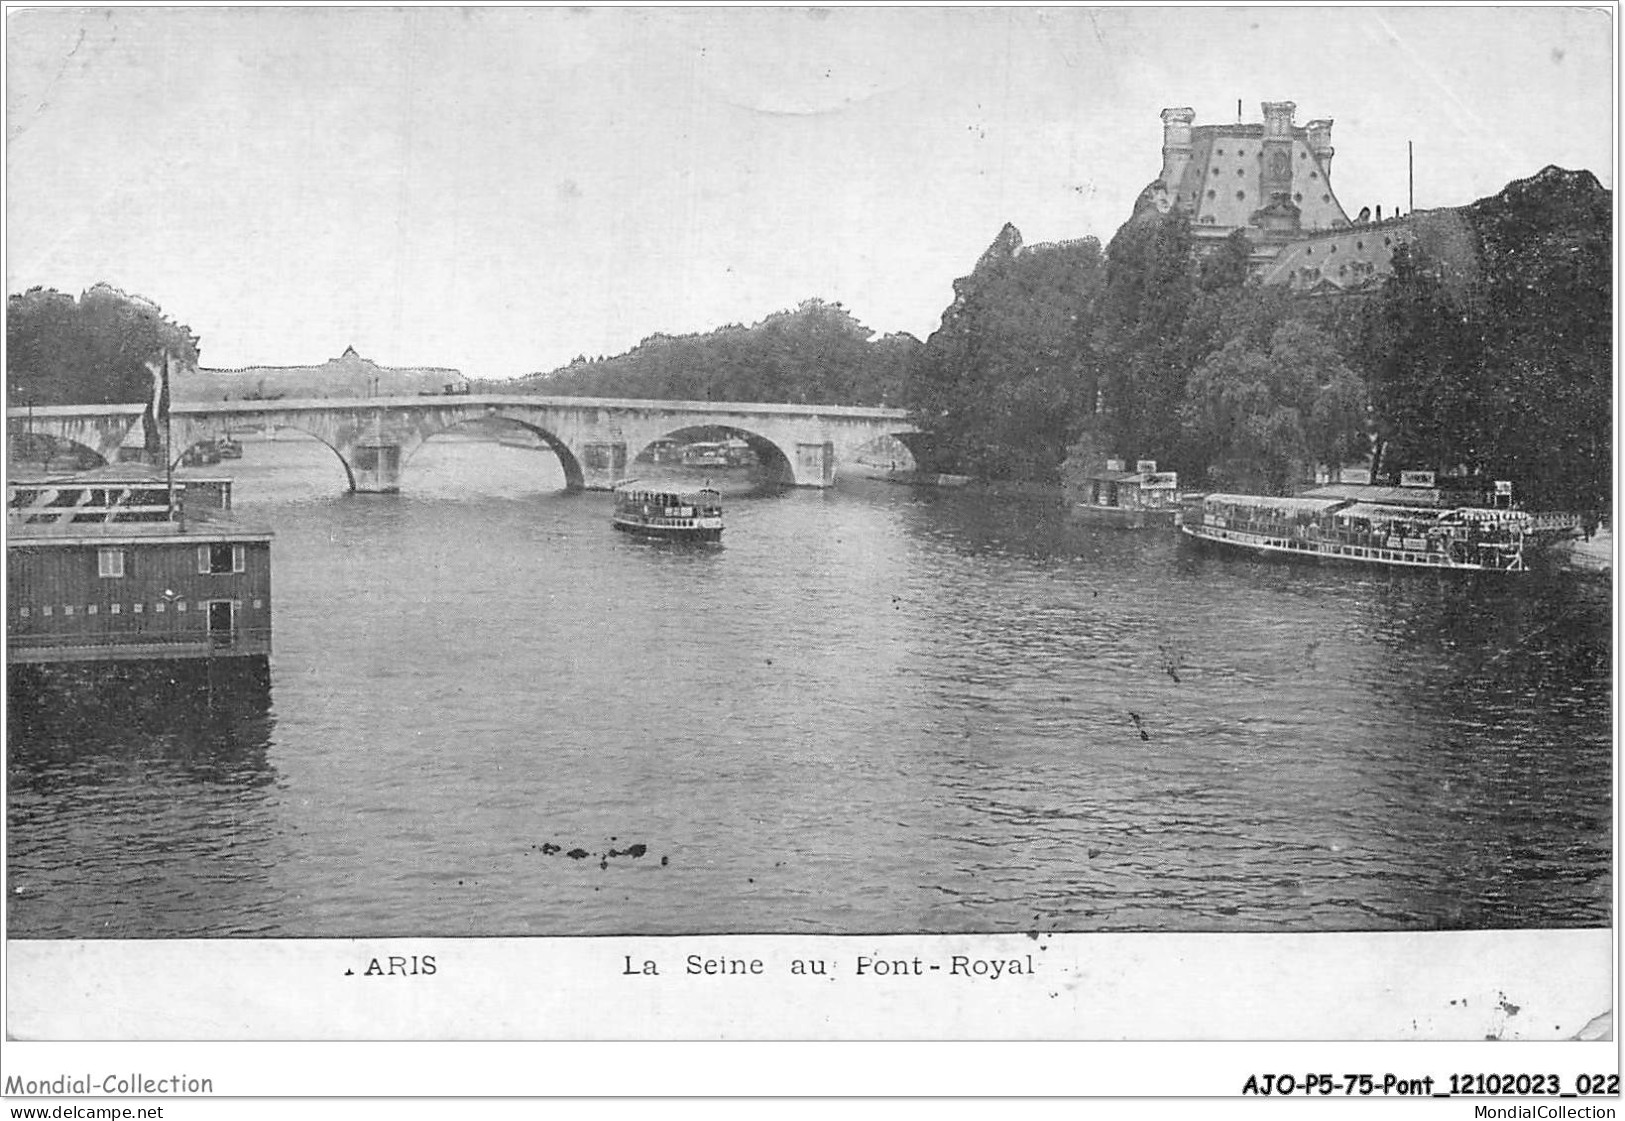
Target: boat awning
(642,493)
(1371,512)
(1376,495)
(1284,503)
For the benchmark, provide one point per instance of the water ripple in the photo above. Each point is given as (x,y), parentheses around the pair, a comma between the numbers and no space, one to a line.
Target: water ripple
(871,710)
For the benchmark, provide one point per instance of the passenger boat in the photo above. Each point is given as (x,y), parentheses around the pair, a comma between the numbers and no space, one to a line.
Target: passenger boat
(1480,539)
(204,453)
(668,515)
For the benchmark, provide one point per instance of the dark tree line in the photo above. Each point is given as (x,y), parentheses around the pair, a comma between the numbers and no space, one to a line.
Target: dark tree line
(997,386)
(1143,352)
(816,354)
(99,349)
(1510,375)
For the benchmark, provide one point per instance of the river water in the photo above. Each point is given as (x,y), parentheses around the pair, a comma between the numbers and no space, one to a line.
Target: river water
(872,709)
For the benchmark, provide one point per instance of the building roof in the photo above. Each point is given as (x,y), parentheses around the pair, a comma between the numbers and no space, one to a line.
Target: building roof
(1357,257)
(1222,185)
(112,474)
(1271,179)
(195,531)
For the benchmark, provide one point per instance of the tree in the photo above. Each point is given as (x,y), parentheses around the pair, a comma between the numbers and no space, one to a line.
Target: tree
(1508,376)
(1228,265)
(1137,353)
(93,351)
(999,388)
(1262,417)
(1424,351)
(1547,325)
(815,353)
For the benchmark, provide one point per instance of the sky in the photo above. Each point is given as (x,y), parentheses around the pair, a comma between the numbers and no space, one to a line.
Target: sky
(501,190)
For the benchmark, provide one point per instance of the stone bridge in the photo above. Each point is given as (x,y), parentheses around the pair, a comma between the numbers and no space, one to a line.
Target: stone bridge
(595,439)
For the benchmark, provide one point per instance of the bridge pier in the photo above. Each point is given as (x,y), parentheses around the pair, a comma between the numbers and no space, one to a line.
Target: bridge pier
(603,464)
(815,465)
(375,468)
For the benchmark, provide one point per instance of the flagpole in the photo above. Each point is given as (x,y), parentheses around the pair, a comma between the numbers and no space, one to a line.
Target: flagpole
(169,450)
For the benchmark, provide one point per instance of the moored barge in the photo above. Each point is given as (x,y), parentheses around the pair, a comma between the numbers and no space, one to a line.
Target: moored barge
(123,565)
(1341,529)
(668,515)
(1129,499)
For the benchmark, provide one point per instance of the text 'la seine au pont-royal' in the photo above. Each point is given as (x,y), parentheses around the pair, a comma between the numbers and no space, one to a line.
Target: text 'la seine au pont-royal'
(862,965)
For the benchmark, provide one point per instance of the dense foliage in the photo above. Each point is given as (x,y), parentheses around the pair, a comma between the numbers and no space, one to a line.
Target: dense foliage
(816,354)
(1145,352)
(1511,376)
(1262,416)
(100,349)
(998,386)
(1491,357)
(1139,351)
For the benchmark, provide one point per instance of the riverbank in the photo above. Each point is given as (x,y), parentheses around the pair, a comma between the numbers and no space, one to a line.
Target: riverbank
(997,487)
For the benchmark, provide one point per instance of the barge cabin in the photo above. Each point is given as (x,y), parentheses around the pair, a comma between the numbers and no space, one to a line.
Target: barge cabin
(1133,499)
(120,565)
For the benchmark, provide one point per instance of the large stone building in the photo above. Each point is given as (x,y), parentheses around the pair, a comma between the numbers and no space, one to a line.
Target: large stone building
(1273,182)
(348,375)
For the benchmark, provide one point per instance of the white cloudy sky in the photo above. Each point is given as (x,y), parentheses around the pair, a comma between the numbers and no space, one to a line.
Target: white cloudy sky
(501,189)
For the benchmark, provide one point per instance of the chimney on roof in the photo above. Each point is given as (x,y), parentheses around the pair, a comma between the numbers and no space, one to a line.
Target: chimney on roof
(1319,136)
(1176,145)
(1275,169)
(1278,118)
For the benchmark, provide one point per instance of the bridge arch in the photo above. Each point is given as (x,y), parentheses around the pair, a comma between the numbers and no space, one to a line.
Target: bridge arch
(888,451)
(319,437)
(186,432)
(574,476)
(53,453)
(773,461)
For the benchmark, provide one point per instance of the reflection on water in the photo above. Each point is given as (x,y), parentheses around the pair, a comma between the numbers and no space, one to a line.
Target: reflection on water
(138,800)
(872,709)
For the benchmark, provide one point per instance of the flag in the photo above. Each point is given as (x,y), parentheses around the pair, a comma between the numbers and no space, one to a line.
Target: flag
(157,386)
(161,409)
(157,411)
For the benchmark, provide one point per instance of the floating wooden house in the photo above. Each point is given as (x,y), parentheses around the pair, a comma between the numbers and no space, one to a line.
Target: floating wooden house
(1112,494)
(121,564)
